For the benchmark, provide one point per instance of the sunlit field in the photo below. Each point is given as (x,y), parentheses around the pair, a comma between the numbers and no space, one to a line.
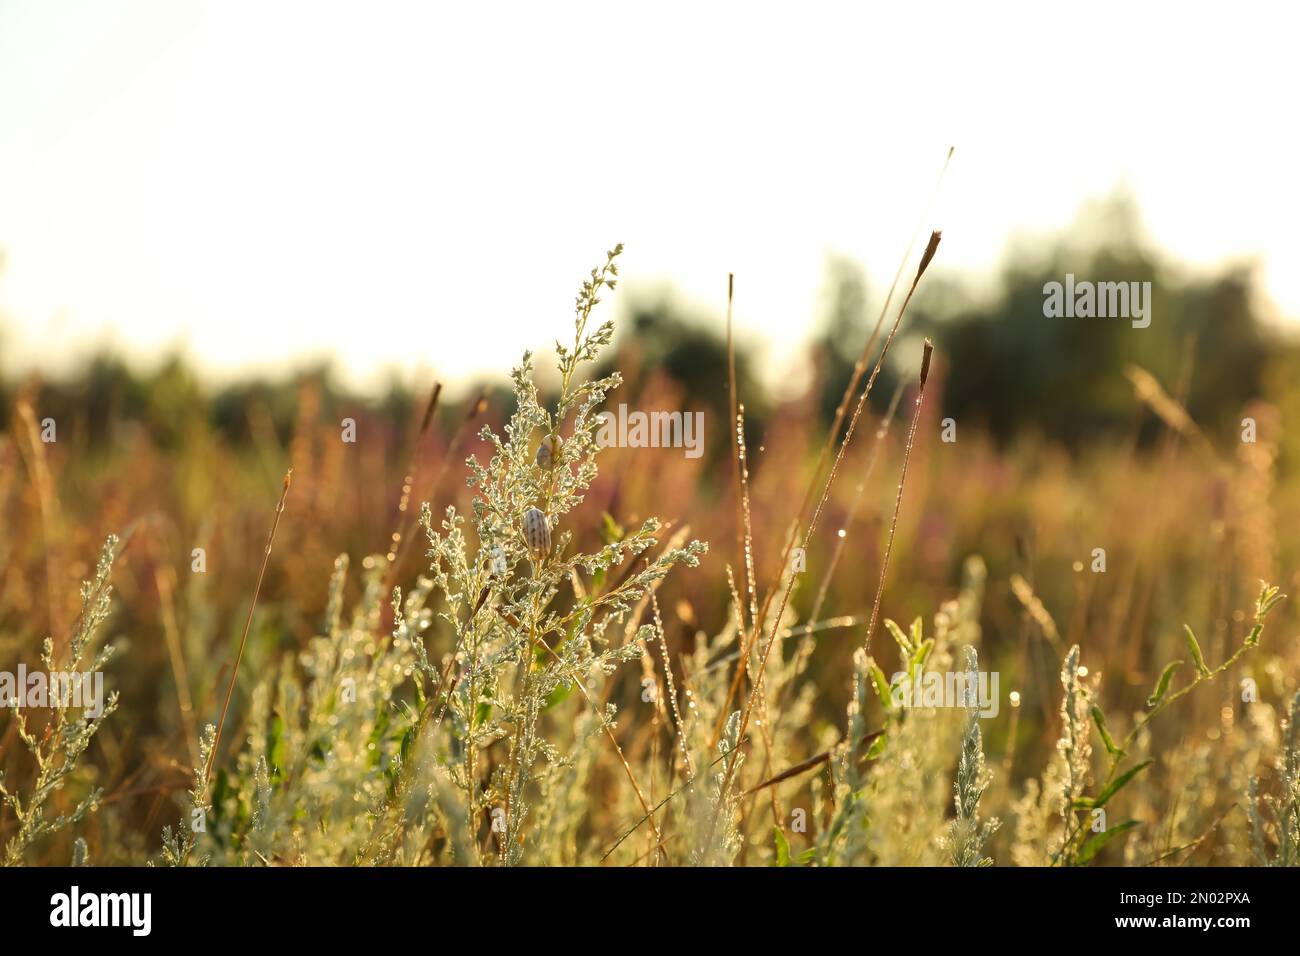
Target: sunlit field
(946,605)
(444,446)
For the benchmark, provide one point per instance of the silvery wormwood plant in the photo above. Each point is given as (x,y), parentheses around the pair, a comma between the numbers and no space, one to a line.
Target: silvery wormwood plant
(56,750)
(340,766)
(530,615)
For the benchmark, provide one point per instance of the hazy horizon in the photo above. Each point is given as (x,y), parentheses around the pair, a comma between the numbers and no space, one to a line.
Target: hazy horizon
(399,199)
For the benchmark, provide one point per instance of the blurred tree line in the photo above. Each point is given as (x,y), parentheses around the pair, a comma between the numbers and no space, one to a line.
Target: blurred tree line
(1012,368)
(1005,365)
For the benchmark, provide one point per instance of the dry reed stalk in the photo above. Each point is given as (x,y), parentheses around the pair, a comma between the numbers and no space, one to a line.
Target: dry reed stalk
(741,461)
(898,499)
(399,541)
(926,258)
(248,623)
(657,807)
(1038,613)
(165,581)
(803,767)
(412,472)
(841,538)
(852,515)
(1167,409)
(33,453)
(745,636)
(402,537)
(609,732)
(858,369)
(737,437)
(672,690)
(742,456)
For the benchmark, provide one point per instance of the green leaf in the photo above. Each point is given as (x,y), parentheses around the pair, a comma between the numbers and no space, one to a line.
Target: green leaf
(1119,782)
(377,736)
(394,767)
(877,747)
(220,792)
(881,685)
(1162,685)
(904,642)
(782,848)
(1099,719)
(408,738)
(276,749)
(557,696)
(1094,845)
(1269,596)
(611,530)
(1194,648)
(419,692)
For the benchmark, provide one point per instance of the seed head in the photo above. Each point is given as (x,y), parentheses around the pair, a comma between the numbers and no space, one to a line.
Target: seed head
(931,247)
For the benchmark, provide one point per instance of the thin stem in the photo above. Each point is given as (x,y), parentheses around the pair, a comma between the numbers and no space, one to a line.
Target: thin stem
(248,623)
(898,499)
(858,369)
(926,258)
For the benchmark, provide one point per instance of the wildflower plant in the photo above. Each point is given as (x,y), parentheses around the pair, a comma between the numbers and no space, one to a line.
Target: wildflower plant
(1275,818)
(1075,752)
(472,716)
(967,835)
(56,750)
(542,627)
(890,783)
(178,843)
(396,753)
(1078,709)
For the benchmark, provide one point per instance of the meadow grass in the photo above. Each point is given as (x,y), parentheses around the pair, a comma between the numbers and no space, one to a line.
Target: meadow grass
(559,680)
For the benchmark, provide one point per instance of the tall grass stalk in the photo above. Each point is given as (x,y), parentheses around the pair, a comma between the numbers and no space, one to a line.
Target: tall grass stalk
(248,623)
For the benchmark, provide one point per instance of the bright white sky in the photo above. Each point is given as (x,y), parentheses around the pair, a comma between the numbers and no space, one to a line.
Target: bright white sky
(423,186)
